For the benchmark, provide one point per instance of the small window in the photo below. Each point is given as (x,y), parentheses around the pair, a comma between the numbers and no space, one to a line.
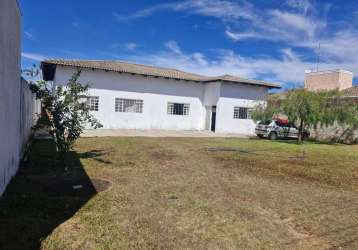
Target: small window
(93,103)
(128,105)
(242,113)
(178,108)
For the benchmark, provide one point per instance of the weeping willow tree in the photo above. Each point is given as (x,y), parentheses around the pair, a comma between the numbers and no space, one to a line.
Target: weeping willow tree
(309,109)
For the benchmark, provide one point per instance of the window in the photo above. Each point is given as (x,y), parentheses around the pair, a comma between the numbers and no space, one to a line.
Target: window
(178,108)
(128,105)
(93,102)
(242,113)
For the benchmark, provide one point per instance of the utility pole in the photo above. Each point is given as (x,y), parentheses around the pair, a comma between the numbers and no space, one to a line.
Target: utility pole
(318,51)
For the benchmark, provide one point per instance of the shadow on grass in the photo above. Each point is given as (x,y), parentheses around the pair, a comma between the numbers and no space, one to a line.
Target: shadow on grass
(94,154)
(42,196)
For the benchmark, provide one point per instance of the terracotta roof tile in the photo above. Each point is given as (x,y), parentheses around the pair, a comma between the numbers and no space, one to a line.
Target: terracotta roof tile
(131,68)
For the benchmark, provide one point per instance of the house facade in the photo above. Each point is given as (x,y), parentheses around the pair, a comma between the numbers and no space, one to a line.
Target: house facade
(132,96)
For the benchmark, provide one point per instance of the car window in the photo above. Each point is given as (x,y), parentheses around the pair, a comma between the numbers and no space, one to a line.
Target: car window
(268,122)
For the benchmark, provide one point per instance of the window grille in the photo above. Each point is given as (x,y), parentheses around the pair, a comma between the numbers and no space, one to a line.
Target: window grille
(178,108)
(128,105)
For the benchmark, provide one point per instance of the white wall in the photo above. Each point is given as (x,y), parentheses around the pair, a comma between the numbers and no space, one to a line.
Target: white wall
(155,93)
(30,110)
(236,95)
(212,93)
(9,90)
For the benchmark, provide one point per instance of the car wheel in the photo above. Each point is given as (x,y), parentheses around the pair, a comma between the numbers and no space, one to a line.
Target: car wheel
(272,136)
(260,136)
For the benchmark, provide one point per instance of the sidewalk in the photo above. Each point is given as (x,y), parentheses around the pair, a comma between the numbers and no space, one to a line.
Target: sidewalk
(155,133)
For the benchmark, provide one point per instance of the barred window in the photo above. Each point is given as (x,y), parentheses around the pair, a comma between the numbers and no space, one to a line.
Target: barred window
(242,113)
(178,108)
(128,105)
(93,103)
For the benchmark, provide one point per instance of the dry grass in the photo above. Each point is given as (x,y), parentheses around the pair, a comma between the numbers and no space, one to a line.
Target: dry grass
(185,193)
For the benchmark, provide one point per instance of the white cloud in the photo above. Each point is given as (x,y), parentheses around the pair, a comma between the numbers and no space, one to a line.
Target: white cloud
(29,35)
(222,9)
(288,68)
(127,46)
(302,5)
(246,35)
(130,46)
(33,56)
(301,24)
(295,22)
(274,24)
(173,46)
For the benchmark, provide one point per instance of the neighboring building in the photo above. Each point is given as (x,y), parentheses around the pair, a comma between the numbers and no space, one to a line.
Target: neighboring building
(328,80)
(133,96)
(10,82)
(332,80)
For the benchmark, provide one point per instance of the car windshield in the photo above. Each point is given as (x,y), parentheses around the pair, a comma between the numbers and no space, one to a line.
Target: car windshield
(267,122)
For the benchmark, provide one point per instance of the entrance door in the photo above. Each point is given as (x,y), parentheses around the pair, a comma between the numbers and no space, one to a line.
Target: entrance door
(213,118)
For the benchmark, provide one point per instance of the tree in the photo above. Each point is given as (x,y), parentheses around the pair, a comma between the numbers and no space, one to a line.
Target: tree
(265,111)
(303,108)
(67,111)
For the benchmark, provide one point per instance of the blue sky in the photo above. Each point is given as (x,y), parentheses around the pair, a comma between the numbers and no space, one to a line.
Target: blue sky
(267,40)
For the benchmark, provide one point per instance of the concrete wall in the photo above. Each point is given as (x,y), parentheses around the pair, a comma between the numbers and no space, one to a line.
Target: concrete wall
(335,133)
(234,95)
(328,80)
(10,85)
(157,92)
(30,110)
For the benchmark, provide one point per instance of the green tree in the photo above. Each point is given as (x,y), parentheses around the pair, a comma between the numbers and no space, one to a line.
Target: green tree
(67,111)
(304,108)
(265,111)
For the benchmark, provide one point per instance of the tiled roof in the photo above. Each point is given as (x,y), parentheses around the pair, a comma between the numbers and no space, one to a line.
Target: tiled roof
(131,68)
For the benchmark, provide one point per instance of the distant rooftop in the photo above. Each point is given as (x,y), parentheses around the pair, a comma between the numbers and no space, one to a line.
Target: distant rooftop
(49,67)
(328,71)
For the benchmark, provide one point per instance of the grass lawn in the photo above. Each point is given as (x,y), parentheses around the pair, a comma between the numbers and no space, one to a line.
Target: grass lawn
(184,193)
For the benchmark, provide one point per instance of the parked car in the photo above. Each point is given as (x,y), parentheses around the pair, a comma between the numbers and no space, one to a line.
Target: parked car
(274,129)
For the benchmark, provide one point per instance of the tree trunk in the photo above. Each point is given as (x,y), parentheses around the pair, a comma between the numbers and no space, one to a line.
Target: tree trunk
(300,131)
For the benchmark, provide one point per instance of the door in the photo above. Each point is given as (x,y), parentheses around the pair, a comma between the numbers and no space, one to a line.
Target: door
(213,118)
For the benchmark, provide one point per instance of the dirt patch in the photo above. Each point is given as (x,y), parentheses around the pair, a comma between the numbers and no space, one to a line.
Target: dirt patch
(302,236)
(75,187)
(163,155)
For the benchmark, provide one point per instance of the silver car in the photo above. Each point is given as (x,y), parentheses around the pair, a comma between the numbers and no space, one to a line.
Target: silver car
(274,129)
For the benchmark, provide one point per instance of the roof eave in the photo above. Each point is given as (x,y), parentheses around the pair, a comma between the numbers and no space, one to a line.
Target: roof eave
(266,85)
(49,68)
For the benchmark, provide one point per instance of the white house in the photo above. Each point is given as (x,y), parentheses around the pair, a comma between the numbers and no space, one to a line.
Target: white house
(132,96)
